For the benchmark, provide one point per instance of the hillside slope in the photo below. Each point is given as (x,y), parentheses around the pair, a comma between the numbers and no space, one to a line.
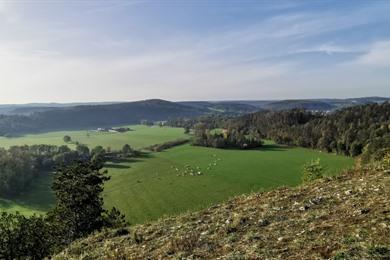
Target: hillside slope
(91,116)
(347,217)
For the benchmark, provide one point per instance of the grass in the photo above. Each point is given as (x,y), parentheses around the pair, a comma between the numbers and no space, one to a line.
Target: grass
(37,200)
(338,218)
(149,188)
(141,137)
(161,183)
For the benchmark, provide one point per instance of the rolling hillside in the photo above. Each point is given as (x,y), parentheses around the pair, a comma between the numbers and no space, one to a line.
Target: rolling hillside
(91,116)
(30,118)
(340,218)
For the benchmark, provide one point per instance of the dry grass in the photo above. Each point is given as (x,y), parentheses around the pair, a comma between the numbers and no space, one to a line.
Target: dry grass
(347,217)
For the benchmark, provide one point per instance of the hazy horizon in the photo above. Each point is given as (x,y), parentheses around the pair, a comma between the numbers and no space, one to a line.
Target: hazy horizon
(203,100)
(96,51)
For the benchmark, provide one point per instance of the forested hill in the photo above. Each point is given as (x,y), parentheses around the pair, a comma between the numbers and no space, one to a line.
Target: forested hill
(350,131)
(89,116)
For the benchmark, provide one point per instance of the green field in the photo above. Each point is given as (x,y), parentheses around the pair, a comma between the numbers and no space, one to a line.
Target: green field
(149,188)
(38,199)
(168,183)
(142,136)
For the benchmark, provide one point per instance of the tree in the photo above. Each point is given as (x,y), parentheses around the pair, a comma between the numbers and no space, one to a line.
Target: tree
(98,155)
(67,139)
(82,150)
(127,150)
(23,238)
(79,209)
(114,219)
(312,170)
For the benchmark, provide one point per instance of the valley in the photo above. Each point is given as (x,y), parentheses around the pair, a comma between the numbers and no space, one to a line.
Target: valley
(177,180)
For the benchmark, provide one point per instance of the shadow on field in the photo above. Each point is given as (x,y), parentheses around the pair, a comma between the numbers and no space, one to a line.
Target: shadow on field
(118,162)
(116,166)
(273,148)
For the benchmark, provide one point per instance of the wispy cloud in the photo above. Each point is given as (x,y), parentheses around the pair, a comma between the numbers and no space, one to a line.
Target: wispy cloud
(378,55)
(77,61)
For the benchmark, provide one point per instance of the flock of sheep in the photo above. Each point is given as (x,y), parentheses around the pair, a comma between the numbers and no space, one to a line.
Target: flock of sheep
(196,171)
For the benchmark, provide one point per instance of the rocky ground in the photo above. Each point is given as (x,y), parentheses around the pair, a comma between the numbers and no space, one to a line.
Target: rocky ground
(347,217)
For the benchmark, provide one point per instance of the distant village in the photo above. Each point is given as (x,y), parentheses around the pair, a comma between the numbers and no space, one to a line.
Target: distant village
(127,129)
(113,129)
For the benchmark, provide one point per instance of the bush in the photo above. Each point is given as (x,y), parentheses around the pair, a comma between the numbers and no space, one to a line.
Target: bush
(167,145)
(67,139)
(312,170)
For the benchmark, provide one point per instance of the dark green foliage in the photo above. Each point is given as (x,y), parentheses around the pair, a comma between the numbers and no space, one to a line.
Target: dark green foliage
(350,131)
(127,150)
(98,155)
(79,212)
(23,238)
(20,165)
(231,138)
(82,150)
(79,206)
(114,219)
(67,139)
(167,145)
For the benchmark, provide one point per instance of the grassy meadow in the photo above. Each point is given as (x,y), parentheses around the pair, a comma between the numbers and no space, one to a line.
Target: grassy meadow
(168,183)
(142,136)
(180,179)
(37,200)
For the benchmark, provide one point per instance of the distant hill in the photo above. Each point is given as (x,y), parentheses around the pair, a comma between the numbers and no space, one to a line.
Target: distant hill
(226,107)
(26,109)
(249,106)
(312,105)
(91,116)
(19,119)
(346,217)
(232,107)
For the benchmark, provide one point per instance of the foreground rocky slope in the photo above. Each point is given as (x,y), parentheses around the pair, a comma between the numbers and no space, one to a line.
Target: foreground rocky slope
(347,217)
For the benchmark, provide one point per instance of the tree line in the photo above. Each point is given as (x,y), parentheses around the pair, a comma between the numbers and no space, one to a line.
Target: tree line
(232,138)
(21,165)
(350,131)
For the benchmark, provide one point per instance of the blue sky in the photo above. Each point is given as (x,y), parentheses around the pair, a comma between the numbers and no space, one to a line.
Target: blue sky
(71,51)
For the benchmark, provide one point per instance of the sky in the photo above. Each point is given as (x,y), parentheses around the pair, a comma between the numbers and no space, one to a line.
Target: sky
(80,51)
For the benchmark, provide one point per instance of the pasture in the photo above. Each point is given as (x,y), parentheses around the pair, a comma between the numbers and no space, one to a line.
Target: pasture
(37,200)
(187,178)
(180,179)
(142,136)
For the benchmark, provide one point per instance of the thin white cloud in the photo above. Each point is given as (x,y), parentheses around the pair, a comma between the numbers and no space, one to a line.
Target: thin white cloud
(378,55)
(64,63)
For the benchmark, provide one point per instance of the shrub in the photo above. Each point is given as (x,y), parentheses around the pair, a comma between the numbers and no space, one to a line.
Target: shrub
(67,139)
(312,170)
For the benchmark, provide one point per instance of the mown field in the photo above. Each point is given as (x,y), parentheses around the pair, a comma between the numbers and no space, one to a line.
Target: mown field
(186,178)
(142,136)
(180,179)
